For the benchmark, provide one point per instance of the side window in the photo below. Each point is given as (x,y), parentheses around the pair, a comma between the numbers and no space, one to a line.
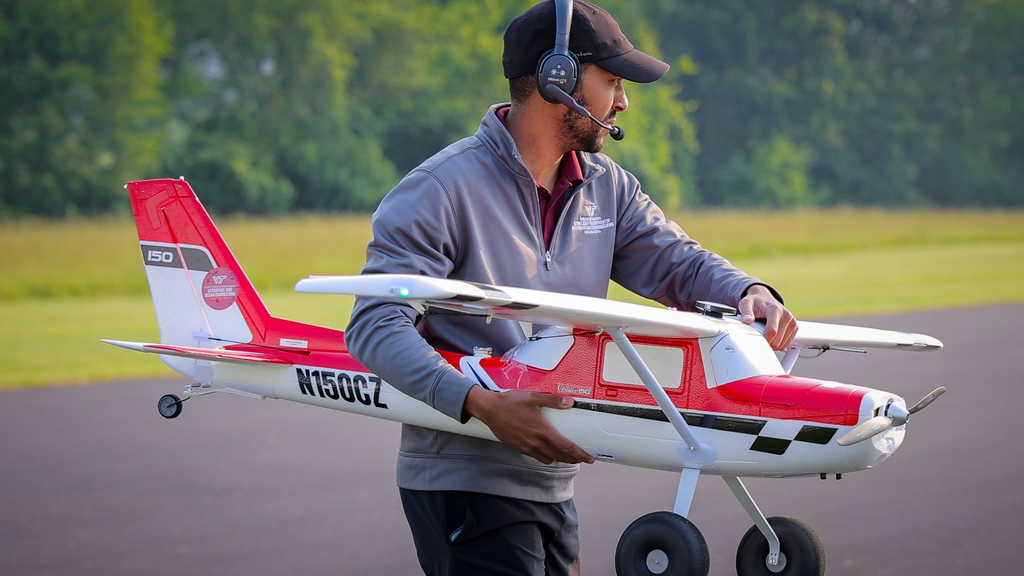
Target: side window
(665,362)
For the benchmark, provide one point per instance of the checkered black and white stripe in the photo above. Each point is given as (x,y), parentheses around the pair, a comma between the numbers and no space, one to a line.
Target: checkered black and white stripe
(769,436)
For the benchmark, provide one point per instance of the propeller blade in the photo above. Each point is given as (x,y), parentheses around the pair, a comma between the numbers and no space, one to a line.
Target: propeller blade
(880,424)
(927,400)
(866,430)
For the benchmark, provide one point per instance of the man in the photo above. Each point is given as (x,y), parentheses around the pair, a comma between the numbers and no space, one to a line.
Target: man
(527,201)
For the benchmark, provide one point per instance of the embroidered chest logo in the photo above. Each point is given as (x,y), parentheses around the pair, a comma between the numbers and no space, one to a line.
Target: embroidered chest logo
(592,223)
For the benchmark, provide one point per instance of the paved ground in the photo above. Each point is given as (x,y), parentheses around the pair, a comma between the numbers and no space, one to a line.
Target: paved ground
(93,481)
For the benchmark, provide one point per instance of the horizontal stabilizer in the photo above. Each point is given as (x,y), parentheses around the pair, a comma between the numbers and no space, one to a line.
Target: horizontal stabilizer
(821,336)
(233,356)
(519,304)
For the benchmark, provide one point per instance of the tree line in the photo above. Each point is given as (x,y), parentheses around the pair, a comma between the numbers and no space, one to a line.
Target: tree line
(274,106)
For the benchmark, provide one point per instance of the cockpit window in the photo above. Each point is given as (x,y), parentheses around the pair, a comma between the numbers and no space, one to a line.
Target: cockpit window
(742,352)
(545,351)
(665,362)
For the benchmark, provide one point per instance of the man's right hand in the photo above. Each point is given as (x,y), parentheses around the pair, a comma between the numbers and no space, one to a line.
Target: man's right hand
(515,418)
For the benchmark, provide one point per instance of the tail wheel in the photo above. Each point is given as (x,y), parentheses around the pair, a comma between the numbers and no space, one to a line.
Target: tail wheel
(802,552)
(662,544)
(169,406)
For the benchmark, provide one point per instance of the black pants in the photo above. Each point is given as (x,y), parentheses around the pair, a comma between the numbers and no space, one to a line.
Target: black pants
(470,534)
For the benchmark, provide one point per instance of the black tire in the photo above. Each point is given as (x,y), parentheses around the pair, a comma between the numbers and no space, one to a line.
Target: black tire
(670,540)
(169,406)
(805,556)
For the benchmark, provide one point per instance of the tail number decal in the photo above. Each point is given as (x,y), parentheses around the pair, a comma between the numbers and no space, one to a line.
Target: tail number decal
(351,388)
(166,256)
(160,256)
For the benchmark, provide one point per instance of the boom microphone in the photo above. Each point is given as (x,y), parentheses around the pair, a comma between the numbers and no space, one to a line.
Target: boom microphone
(616,132)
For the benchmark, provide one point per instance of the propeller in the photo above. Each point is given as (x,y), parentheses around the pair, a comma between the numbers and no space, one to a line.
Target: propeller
(866,430)
(894,416)
(927,400)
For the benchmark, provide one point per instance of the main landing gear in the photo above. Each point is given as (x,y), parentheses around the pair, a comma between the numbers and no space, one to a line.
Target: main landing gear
(667,544)
(662,543)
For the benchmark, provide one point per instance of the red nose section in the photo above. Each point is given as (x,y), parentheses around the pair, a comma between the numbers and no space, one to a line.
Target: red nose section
(795,398)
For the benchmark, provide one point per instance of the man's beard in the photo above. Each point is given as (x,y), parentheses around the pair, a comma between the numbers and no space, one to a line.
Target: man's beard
(578,132)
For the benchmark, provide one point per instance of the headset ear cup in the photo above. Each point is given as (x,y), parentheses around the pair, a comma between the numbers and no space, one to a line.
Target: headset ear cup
(562,70)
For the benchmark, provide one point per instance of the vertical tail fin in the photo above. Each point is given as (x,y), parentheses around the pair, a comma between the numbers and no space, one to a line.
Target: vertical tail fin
(201,294)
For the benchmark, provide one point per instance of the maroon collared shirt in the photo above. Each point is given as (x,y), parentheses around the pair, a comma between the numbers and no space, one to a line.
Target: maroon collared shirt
(569,174)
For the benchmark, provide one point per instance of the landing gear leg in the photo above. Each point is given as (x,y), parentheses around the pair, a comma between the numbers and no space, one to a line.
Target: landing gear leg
(687,486)
(662,544)
(169,406)
(804,554)
(776,545)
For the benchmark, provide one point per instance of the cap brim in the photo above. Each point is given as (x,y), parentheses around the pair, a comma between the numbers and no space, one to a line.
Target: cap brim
(635,66)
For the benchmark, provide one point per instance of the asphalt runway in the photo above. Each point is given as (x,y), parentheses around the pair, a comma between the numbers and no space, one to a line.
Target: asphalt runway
(94,481)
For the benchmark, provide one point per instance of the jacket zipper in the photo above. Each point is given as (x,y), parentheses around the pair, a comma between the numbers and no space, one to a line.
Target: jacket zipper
(561,217)
(554,234)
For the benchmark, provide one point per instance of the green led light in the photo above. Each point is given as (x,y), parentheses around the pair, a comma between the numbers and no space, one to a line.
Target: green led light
(403,292)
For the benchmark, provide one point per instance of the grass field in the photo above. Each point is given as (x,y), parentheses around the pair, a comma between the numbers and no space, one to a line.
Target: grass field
(64,285)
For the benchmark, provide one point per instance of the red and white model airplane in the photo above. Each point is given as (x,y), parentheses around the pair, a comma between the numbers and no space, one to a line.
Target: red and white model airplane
(695,394)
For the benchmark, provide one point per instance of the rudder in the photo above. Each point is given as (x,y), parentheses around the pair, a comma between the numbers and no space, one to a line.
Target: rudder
(201,294)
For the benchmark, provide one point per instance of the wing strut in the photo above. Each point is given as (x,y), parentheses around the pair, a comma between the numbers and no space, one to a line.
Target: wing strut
(696,451)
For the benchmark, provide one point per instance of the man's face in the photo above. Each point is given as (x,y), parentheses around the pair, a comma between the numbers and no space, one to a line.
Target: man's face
(602,94)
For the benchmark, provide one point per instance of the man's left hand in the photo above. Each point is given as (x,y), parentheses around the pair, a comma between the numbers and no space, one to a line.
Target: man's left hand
(779,323)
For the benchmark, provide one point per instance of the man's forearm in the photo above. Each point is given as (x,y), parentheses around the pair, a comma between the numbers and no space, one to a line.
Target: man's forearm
(382,336)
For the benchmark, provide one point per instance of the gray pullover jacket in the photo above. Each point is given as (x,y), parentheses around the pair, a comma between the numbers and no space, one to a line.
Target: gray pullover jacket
(471,213)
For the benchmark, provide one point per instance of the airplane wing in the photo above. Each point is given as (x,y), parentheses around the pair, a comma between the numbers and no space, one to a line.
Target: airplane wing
(821,336)
(233,356)
(520,304)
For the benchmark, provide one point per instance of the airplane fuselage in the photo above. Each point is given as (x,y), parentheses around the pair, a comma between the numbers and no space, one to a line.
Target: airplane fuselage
(765,425)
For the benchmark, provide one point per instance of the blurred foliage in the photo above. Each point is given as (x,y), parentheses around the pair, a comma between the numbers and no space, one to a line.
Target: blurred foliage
(773,174)
(272,106)
(880,102)
(81,109)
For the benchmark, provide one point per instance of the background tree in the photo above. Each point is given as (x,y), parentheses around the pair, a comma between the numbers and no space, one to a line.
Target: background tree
(263,121)
(81,107)
(883,102)
(268,107)
(316,104)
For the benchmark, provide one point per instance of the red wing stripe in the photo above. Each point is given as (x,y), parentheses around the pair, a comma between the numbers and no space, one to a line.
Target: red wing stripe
(215,355)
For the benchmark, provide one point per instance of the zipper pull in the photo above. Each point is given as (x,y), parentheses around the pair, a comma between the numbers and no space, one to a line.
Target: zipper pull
(547,260)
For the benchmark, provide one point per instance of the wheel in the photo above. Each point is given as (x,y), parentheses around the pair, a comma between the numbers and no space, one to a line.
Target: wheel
(169,406)
(662,544)
(801,549)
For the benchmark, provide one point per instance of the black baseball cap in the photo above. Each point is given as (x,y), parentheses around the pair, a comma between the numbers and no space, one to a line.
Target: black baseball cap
(594,37)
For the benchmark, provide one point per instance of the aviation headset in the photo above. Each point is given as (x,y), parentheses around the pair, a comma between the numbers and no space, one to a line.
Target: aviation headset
(559,66)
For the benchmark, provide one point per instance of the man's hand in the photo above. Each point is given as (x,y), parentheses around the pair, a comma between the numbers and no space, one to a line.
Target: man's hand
(515,418)
(779,323)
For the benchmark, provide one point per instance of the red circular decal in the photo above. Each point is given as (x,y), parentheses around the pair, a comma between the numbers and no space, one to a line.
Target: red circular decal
(220,288)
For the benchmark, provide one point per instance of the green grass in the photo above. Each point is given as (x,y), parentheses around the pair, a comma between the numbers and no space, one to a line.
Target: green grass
(755,234)
(101,257)
(66,285)
(43,259)
(57,340)
(888,280)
